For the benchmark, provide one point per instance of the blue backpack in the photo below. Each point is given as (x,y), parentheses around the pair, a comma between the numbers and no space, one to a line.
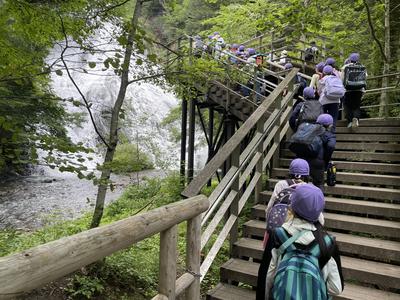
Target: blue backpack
(306,141)
(298,276)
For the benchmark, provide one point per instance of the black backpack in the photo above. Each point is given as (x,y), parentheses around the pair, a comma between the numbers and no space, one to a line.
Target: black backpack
(306,141)
(355,77)
(309,112)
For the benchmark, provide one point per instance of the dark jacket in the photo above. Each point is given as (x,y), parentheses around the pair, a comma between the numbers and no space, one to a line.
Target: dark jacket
(329,144)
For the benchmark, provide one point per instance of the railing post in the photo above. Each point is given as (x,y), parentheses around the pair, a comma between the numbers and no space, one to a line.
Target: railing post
(275,158)
(234,209)
(193,245)
(259,166)
(272,48)
(167,275)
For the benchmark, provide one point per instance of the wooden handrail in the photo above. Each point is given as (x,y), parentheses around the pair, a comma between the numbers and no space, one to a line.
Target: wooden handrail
(201,179)
(35,267)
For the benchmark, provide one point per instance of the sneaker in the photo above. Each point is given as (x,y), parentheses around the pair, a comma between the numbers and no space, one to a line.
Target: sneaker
(350,125)
(355,122)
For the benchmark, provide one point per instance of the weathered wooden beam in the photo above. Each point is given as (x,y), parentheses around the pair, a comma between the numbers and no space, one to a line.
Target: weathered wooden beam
(35,267)
(193,241)
(167,273)
(182,283)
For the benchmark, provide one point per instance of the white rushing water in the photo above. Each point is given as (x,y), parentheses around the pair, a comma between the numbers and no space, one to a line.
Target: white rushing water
(26,203)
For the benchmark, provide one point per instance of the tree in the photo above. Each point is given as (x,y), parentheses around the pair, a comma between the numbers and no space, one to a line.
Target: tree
(113,137)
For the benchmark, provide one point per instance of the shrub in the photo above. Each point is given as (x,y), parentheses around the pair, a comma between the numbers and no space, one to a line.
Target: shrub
(128,158)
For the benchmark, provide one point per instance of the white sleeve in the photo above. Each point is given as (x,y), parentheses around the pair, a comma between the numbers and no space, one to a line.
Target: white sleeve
(271,272)
(331,276)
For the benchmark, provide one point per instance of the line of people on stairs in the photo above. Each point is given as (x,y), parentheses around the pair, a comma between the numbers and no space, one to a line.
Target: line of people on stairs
(301,261)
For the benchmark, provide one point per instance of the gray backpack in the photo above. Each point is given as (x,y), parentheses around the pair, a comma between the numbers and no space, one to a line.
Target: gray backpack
(309,112)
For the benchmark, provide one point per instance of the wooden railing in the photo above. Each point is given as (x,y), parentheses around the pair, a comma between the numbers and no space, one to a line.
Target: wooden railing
(246,166)
(35,267)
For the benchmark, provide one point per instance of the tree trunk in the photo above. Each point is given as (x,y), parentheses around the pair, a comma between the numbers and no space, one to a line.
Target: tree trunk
(384,101)
(113,139)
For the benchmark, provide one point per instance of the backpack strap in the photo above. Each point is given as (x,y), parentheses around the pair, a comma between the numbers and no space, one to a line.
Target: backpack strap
(287,242)
(290,182)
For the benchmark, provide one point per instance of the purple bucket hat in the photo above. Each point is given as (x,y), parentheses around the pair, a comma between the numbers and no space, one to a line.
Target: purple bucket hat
(288,66)
(307,201)
(300,167)
(327,70)
(325,119)
(330,61)
(309,93)
(320,66)
(354,57)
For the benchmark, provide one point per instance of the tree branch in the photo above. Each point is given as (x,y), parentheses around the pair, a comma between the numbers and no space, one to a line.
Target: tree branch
(77,87)
(152,76)
(371,27)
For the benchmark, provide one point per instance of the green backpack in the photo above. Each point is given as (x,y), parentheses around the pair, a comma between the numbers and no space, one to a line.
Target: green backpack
(298,276)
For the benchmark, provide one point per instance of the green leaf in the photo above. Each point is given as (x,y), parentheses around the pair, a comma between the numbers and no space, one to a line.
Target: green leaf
(92,64)
(59,72)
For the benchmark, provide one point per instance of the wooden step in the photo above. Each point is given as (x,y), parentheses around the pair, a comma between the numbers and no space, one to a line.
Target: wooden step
(341,137)
(368,130)
(240,271)
(246,247)
(376,227)
(225,291)
(356,166)
(364,207)
(365,146)
(375,249)
(375,179)
(357,292)
(363,225)
(361,146)
(373,122)
(354,269)
(360,270)
(351,292)
(355,156)
(365,192)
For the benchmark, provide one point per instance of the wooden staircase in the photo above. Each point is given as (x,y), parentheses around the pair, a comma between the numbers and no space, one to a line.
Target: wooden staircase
(239,106)
(362,211)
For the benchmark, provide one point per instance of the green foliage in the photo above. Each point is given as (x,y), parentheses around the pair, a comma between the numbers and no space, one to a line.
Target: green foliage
(131,273)
(128,158)
(84,287)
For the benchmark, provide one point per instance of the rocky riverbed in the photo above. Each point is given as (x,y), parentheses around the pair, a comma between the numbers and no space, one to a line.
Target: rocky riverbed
(27,203)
